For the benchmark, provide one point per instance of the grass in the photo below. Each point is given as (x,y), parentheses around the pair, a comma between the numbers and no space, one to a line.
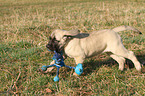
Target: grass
(25,26)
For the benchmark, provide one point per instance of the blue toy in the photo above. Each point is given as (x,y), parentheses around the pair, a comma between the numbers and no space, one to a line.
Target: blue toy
(59,62)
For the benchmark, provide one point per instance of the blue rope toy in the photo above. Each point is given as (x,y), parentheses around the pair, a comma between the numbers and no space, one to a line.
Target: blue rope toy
(59,62)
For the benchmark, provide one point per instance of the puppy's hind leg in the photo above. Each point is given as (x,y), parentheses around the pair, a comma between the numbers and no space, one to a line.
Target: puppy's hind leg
(120,61)
(122,52)
(132,57)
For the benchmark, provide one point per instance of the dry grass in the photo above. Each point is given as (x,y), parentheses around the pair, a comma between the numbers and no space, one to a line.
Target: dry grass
(25,26)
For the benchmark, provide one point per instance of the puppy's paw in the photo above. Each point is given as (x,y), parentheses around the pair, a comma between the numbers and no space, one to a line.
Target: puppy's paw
(138,68)
(75,74)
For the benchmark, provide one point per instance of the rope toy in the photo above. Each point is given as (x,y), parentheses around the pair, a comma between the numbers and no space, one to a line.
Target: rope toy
(59,62)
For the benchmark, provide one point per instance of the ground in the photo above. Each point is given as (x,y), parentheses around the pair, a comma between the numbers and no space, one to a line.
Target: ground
(26,25)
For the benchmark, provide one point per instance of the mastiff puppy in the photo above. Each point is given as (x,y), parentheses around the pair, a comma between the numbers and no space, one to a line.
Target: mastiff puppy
(84,45)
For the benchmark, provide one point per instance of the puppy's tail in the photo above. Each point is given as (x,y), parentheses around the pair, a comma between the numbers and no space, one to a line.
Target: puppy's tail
(124,27)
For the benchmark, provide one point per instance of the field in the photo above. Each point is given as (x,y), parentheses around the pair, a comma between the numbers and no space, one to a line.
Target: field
(25,26)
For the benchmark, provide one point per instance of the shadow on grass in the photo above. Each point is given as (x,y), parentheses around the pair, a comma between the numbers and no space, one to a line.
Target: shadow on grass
(94,65)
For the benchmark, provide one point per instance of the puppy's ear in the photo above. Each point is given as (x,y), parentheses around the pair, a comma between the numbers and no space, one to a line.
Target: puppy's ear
(71,34)
(74,32)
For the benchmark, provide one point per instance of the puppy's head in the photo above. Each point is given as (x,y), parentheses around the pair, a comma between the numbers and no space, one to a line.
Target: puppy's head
(53,45)
(59,38)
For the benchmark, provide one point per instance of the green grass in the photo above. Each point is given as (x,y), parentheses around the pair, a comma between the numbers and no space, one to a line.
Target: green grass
(24,29)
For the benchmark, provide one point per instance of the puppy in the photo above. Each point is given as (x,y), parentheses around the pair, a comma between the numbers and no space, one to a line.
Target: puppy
(84,45)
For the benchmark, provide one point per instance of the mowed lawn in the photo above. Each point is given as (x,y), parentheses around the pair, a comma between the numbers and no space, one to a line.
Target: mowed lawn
(25,26)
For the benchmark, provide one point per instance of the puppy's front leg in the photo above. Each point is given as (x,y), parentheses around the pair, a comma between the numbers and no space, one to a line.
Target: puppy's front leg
(50,68)
(79,60)
(79,67)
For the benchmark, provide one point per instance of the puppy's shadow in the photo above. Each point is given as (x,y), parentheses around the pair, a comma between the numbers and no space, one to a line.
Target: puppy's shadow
(94,65)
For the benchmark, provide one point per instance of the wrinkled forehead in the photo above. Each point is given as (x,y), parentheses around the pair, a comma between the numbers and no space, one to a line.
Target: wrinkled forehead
(58,34)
